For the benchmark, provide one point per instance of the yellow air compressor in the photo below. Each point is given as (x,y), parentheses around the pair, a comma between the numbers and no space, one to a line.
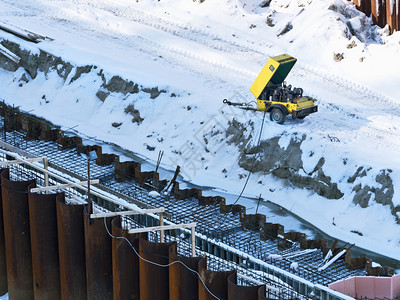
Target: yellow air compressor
(274,96)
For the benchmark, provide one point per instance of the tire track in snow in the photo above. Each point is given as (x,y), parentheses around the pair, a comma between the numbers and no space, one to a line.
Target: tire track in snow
(204,37)
(237,50)
(337,84)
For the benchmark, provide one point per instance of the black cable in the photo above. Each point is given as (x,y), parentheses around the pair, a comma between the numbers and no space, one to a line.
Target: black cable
(250,171)
(137,252)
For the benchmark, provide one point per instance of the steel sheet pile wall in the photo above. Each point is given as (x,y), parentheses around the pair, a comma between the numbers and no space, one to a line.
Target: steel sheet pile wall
(17,237)
(241,292)
(383,12)
(71,249)
(178,272)
(54,251)
(125,263)
(98,251)
(36,128)
(3,268)
(44,240)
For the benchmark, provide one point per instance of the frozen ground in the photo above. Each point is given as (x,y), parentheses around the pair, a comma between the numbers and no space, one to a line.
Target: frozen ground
(202,53)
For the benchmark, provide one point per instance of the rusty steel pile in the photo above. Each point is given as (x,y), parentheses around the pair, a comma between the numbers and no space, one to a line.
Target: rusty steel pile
(59,237)
(51,249)
(382,11)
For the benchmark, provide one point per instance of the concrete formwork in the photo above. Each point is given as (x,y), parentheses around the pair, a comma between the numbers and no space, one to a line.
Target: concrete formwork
(34,127)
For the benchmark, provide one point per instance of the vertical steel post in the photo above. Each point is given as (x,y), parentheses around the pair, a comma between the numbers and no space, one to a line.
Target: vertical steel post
(183,284)
(13,124)
(91,156)
(88,188)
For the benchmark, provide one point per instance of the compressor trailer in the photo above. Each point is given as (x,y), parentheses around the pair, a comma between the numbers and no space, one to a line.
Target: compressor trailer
(277,98)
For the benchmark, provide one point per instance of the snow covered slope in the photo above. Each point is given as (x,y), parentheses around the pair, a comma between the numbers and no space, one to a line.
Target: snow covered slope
(151,76)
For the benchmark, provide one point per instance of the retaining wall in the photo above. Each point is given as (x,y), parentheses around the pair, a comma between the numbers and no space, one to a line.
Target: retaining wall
(53,251)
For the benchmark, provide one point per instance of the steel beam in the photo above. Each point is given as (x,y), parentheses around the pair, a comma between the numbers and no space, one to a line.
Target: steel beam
(61,186)
(159,228)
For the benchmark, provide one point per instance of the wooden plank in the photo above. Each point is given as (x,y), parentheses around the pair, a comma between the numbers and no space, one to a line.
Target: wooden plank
(21,161)
(193,238)
(65,171)
(158,228)
(335,258)
(14,149)
(62,186)
(127,213)
(61,178)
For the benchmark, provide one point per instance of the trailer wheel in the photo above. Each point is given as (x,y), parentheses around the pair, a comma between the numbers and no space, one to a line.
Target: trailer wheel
(277,116)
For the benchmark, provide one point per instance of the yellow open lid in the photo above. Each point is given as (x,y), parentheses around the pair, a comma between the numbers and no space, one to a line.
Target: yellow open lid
(273,73)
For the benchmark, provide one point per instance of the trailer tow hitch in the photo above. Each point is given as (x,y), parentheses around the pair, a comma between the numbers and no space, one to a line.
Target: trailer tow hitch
(242,105)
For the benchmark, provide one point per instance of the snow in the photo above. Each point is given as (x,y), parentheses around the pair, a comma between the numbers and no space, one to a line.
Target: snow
(275,256)
(154,194)
(375,265)
(206,52)
(294,266)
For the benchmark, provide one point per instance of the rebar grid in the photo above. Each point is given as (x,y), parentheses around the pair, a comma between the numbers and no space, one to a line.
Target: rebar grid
(214,263)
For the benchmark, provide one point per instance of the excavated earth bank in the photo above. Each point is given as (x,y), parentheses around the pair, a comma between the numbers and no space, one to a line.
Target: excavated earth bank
(271,158)
(286,163)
